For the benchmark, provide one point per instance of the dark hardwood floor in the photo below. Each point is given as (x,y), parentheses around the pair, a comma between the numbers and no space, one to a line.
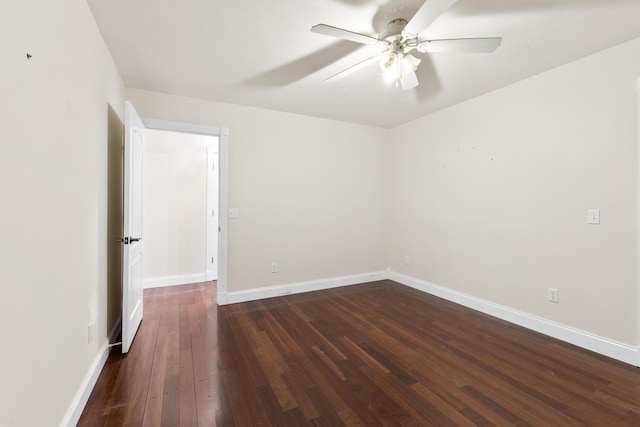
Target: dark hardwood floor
(379,354)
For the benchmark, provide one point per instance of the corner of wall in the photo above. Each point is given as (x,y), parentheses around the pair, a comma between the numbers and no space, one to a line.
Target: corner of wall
(610,348)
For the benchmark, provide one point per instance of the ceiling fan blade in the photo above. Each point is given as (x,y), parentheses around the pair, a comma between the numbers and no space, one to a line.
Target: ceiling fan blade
(425,16)
(478,45)
(359,66)
(340,33)
(409,81)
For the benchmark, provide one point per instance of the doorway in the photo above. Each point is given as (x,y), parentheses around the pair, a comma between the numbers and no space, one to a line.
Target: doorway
(213,148)
(180,208)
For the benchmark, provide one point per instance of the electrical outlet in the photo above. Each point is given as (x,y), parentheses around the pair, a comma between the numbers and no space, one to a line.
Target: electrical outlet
(552,295)
(233,213)
(407,261)
(274,267)
(90,333)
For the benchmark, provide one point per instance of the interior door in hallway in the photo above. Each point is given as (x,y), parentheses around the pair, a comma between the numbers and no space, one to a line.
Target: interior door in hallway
(132,307)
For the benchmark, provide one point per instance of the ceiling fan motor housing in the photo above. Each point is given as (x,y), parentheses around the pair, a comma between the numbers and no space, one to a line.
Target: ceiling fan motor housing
(393,30)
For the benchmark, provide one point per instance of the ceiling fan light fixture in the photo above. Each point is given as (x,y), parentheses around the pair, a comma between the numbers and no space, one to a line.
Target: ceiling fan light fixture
(410,63)
(389,65)
(396,65)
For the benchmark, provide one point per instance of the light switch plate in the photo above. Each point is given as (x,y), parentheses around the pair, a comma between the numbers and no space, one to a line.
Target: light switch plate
(593,216)
(233,213)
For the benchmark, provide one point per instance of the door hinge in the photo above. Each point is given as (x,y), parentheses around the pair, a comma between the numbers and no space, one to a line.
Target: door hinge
(213,212)
(211,260)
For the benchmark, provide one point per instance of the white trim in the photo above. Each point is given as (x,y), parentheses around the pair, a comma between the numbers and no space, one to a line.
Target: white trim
(182,127)
(637,318)
(616,350)
(184,279)
(223,208)
(300,287)
(81,398)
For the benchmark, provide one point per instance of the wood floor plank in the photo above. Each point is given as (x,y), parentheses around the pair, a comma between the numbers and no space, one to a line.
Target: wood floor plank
(377,354)
(305,404)
(155,393)
(187,390)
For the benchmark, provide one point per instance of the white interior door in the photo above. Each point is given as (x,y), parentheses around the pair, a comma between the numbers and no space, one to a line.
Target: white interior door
(133,243)
(212,212)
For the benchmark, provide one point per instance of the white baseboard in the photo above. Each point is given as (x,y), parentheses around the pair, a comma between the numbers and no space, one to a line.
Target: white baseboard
(296,288)
(184,279)
(619,351)
(72,416)
(81,398)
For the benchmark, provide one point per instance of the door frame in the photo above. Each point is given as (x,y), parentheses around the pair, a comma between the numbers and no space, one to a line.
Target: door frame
(638,233)
(223,186)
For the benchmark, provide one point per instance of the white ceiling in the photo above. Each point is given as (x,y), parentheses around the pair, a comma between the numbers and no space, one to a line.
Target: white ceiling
(261,53)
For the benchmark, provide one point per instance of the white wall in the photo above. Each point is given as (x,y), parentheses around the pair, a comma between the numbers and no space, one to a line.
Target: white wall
(310,192)
(53,220)
(175,204)
(490,197)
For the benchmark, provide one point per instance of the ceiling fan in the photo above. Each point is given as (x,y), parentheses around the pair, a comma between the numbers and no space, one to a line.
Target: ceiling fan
(400,38)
